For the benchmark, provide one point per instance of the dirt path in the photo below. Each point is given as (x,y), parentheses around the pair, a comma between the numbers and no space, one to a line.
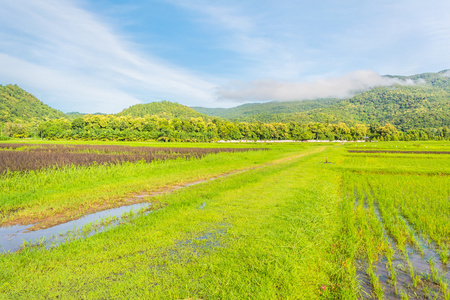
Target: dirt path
(134,198)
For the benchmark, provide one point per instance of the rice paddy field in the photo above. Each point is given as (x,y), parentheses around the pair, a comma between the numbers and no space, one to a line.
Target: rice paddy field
(241,221)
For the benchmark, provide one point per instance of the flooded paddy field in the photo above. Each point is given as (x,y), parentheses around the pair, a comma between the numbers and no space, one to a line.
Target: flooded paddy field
(400,206)
(291,222)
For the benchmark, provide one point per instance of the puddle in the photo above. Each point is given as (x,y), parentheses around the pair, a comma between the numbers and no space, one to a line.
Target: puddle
(209,239)
(12,238)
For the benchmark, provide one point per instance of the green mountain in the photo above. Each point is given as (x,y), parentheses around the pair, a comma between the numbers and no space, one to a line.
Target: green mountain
(438,80)
(426,104)
(16,105)
(405,107)
(264,109)
(75,115)
(163,109)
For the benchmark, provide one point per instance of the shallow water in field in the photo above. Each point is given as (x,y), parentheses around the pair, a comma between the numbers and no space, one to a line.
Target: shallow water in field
(420,262)
(12,238)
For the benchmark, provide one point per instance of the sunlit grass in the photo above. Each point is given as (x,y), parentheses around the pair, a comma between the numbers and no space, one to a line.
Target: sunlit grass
(294,227)
(272,232)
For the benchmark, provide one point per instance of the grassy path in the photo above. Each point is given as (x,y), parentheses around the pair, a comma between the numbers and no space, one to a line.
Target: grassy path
(59,195)
(270,232)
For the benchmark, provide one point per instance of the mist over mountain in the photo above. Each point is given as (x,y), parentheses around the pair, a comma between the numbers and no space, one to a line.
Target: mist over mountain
(423,104)
(420,101)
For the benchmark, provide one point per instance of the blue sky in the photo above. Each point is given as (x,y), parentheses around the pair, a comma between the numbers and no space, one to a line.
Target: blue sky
(106,55)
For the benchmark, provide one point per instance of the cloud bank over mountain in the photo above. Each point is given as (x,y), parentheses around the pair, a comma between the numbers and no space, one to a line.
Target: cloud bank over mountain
(339,87)
(106,55)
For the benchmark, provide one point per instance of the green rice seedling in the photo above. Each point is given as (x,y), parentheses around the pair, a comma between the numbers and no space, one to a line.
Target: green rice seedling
(445,289)
(392,272)
(389,254)
(375,281)
(413,238)
(404,295)
(444,253)
(434,273)
(427,292)
(415,279)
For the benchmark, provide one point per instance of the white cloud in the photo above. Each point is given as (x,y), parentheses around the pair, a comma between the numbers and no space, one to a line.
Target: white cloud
(47,44)
(446,74)
(85,94)
(340,87)
(69,54)
(250,35)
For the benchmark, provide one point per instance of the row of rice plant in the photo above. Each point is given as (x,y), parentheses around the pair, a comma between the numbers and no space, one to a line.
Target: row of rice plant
(422,200)
(400,202)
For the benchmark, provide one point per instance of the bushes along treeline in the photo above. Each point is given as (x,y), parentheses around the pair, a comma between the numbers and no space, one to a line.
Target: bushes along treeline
(126,128)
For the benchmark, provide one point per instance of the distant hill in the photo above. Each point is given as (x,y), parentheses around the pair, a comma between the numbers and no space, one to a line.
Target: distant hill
(438,80)
(18,105)
(75,115)
(405,107)
(163,109)
(424,105)
(247,111)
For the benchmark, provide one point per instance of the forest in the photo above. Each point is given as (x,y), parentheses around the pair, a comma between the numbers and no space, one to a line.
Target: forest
(127,128)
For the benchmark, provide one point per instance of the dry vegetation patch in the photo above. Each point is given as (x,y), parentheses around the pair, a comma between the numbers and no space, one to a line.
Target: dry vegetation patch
(24,157)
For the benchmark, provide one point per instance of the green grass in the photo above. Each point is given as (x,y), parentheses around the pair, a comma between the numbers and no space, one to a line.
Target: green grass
(266,233)
(292,228)
(58,192)
(410,193)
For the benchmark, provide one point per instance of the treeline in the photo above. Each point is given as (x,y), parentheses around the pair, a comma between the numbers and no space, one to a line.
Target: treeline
(126,128)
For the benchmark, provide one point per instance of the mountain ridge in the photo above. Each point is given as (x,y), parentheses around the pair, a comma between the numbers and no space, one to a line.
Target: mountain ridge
(17,105)
(162,109)
(424,105)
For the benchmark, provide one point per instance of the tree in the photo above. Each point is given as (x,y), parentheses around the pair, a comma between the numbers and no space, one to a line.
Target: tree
(78,124)
(17,130)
